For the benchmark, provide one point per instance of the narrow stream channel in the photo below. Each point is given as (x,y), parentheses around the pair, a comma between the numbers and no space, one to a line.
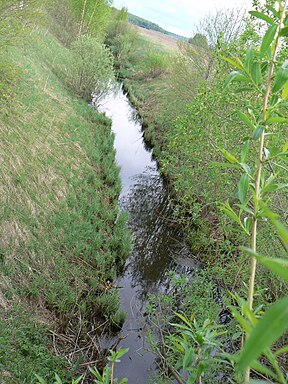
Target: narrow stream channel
(157,245)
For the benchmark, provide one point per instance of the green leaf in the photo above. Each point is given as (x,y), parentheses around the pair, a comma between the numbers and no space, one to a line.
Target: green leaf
(257,366)
(273,10)
(184,319)
(245,151)
(121,352)
(243,322)
(229,212)
(95,373)
(282,231)
(188,358)
(269,328)
(285,148)
(245,119)
(276,119)
(284,32)
(266,212)
(285,91)
(278,266)
(281,351)
(249,60)
(262,16)
(245,167)
(228,156)
(247,223)
(267,40)
(280,79)
(258,132)
(235,76)
(230,78)
(77,381)
(236,64)
(243,187)
(256,73)
(273,187)
(41,381)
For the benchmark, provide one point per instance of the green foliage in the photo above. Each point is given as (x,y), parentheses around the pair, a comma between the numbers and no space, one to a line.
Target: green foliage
(92,15)
(24,349)
(107,376)
(121,38)
(155,64)
(198,345)
(255,188)
(199,40)
(91,74)
(186,347)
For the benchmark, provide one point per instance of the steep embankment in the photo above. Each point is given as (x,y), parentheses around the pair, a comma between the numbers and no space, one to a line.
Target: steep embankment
(60,240)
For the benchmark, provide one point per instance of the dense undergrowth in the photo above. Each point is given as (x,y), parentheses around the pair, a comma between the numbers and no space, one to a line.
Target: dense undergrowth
(62,238)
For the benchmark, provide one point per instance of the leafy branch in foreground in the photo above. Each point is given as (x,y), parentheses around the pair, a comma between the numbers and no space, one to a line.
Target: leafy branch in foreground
(262,72)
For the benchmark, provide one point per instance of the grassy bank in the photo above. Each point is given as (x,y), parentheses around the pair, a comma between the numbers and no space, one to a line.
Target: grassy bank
(62,239)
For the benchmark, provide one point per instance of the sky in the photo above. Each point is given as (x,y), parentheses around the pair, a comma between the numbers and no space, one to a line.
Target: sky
(178,16)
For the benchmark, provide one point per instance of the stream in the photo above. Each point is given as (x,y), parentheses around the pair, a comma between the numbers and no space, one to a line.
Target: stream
(158,246)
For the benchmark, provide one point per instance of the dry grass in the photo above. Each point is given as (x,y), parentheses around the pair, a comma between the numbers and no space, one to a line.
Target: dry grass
(166,41)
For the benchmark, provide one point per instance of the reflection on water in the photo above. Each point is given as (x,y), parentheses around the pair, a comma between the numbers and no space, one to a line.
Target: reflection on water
(149,211)
(157,243)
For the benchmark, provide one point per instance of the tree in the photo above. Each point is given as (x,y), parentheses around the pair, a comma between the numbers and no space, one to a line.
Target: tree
(92,72)
(199,40)
(92,14)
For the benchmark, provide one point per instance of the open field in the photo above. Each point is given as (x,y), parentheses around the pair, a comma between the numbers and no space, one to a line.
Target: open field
(157,37)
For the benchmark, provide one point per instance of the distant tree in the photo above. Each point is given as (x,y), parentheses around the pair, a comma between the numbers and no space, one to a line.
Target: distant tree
(199,40)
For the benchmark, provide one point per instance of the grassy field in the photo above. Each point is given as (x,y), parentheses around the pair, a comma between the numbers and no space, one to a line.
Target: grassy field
(166,41)
(62,239)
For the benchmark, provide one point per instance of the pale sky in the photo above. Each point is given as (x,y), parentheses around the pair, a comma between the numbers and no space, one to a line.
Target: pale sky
(178,16)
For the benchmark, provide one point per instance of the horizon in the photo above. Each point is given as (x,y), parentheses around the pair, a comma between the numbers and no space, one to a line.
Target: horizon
(179,17)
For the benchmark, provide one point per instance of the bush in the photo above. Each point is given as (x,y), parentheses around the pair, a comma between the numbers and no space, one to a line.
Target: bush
(156,64)
(92,73)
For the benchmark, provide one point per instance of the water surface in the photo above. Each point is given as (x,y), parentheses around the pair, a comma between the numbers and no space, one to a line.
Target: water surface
(158,246)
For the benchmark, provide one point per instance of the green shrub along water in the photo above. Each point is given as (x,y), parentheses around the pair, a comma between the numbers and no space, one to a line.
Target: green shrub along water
(62,237)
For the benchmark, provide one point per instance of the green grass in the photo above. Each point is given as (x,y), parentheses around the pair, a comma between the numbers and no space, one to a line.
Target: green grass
(61,242)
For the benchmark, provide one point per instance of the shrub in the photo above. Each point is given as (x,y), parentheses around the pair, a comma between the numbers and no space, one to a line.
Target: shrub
(92,73)
(156,64)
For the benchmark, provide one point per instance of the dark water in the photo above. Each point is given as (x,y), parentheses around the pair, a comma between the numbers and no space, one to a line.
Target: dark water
(158,246)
